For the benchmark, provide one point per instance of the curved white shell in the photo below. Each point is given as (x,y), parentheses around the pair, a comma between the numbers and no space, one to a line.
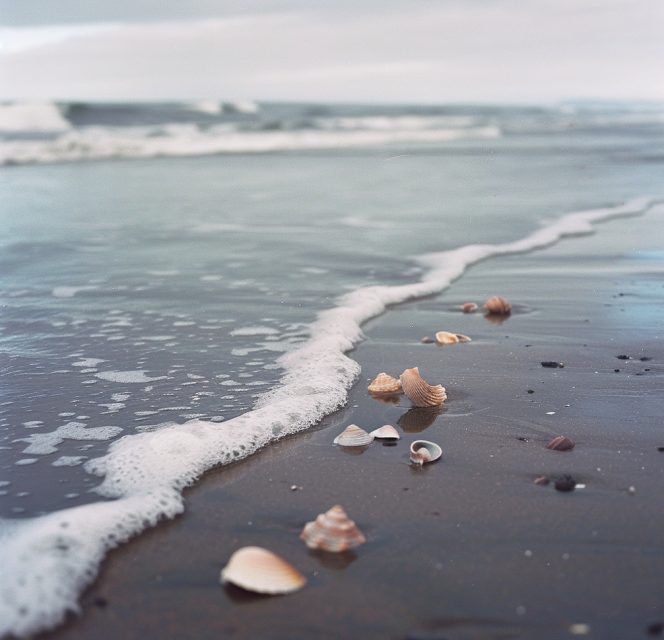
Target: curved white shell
(385,383)
(419,391)
(423,451)
(353,436)
(463,338)
(445,337)
(469,307)
(387,432)
(261,571)
(498,306)
(332,531)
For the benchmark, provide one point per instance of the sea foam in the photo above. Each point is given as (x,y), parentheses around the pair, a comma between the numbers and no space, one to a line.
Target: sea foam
(48,560)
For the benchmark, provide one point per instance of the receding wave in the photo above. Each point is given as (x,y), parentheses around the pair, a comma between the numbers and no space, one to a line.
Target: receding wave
(48,560)
(32,117)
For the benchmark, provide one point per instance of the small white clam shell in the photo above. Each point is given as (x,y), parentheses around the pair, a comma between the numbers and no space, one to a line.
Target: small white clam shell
(261,571)
(332,531)
(423,451)
(419,391)
(386,432)
(445,337)
(385,383)
(353,436)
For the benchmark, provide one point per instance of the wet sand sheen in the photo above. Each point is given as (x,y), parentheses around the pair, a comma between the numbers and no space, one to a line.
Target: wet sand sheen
(468,547)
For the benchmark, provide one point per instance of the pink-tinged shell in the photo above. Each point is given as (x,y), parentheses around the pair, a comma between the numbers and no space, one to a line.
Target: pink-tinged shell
(419,391)
(498,306)
(332,531)
(423,451)
(561,443)
(261,571)
(469,307)
(385,383)
(353,436)
(386,432)
(445,337)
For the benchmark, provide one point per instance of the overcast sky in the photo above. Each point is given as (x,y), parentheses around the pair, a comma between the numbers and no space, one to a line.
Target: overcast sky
(332,50)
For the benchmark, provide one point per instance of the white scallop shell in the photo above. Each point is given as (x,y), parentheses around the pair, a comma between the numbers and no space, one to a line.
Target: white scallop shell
(445,337)
(385,383)
(498,306)
(332,531)
(261,571)
(423,451)
(386,432)
(419,391)
(353,436)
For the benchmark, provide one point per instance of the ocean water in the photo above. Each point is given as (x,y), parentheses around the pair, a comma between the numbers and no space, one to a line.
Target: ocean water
(181,284)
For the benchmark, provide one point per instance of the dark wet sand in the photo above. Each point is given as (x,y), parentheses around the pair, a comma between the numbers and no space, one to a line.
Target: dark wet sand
(468,547)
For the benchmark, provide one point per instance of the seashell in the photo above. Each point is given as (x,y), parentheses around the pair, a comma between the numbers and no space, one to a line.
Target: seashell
(353,436)
(445,337)
(332,531)
(498,306)
(387,432)
(420,393)
(385,383)
(469,307)
(542,481)
(561,443)
(462,338)
(423,451)
(261,571)
(427,340)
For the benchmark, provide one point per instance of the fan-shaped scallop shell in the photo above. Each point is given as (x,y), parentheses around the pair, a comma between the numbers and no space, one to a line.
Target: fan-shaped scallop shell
(498,306)
(419,391)
(332,531)
(386,432)
(385,383)
(353,436)
(423,451)
(259,570)
(469,307)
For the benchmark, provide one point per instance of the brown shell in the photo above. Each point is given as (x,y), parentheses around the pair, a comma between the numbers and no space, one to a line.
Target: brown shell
(353,436)
(561,443)
(419,391)
(498,306)
(385,384)
(261,571)
(469,307)
(332,531)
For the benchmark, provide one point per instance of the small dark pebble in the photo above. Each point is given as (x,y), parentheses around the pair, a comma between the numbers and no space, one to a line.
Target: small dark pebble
(565,483)
(645,359)
(660,449)
(561,443)
(522,438)
(550,364)
(427,340)
(542,481)
(100,602)
(646,369)
(531,390)
(655,629)
(616,371)
(624,357)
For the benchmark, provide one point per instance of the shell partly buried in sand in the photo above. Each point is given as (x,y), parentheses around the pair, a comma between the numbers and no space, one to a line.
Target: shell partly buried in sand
(423,452)
(385,384)
(469,307)
(445,337)
(498,306)
(353,436)
(261,571)
(419,391)
(332,531)
(386,432)
(561,443)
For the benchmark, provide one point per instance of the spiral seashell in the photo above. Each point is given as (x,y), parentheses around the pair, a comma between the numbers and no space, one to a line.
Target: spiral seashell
(469,307)
(353,436)
(445,337)
(498,306)
(423,452)
(420,393)
(385,384)
(261,571)
(332,531)
(561,443)
(386,432)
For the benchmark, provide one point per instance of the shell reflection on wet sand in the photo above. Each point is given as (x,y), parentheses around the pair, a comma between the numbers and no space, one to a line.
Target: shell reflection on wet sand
(386,432)
(261,571)
(385,384)
(423,452)
(353,436)
(332,531)
(418,419)
(419,391)
(498,306)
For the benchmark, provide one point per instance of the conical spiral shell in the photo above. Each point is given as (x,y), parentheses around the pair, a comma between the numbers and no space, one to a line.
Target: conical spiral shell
(385,383)
(332,531)
(421,393)
(423,451)
(498,306)
(386,432)
(261,571)
(353,436)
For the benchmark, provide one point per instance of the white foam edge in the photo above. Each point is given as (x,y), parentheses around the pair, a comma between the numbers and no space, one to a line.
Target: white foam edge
(47,561)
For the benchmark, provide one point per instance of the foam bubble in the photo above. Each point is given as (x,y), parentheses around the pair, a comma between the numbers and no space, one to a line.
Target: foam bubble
(127,376)
(44,443)
(70,292)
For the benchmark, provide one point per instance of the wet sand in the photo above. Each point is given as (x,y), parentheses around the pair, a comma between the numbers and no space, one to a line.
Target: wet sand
(468,547)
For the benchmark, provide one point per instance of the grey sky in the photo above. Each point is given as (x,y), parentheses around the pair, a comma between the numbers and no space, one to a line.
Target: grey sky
(388,51)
